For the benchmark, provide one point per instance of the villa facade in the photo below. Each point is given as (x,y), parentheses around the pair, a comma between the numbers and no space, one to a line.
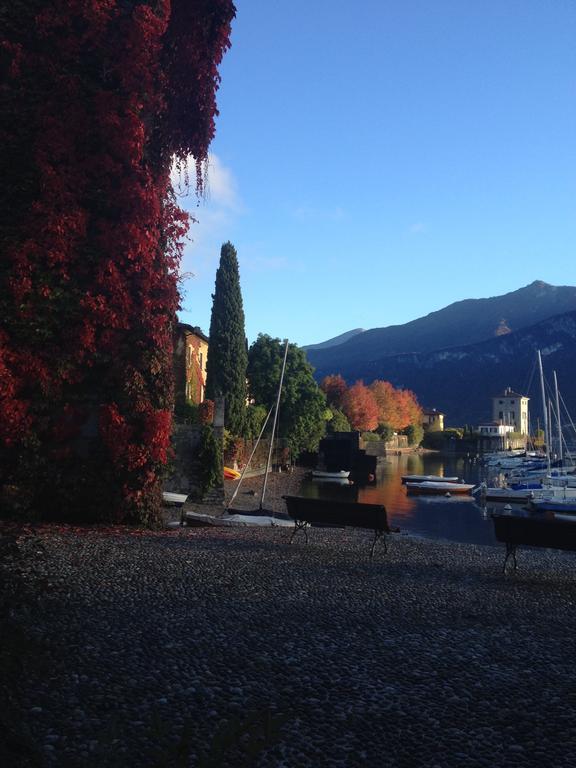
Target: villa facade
(511,409)
(190,357)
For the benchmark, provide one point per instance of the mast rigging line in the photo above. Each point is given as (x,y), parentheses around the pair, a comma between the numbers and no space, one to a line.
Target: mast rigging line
(274,409)
(249,460)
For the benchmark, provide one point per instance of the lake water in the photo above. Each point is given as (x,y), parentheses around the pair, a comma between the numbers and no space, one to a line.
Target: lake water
(455,518)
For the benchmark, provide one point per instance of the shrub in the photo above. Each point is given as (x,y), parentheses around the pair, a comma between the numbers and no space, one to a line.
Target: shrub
(415,433)
(210,456)
(186,413)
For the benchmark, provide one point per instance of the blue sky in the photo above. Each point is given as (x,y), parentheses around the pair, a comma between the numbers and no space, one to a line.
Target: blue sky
(376,161)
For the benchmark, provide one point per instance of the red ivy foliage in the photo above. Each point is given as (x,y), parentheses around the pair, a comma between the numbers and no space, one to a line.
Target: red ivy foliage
(96,98)
(206,412)
(334,387)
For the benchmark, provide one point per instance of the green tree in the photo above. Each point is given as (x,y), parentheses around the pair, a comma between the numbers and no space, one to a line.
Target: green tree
(227,355)
(385,431)
(338,422)
(415,434)
(302,416)
(255,417)
(210,457)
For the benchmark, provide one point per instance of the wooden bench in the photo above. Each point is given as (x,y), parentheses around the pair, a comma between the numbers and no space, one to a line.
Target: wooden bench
(337,514)
(533,530)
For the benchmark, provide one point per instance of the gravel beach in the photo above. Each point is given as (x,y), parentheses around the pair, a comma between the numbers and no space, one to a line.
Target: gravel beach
(226,646)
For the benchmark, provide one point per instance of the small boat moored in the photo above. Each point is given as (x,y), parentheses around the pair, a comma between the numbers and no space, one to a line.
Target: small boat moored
(440,488)
(428,479)
(566,506)
(318,474)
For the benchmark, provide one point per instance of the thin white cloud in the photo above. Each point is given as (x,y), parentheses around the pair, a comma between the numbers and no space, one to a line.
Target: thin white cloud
(418,228)
(214,213)
(221,186)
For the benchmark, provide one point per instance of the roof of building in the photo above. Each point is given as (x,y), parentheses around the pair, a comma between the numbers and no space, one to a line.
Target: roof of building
(508,392)
(195,329)
(432,412)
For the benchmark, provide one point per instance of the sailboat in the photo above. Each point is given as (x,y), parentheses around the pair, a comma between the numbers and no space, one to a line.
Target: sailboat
(262,511)
(546,521)
(529,481)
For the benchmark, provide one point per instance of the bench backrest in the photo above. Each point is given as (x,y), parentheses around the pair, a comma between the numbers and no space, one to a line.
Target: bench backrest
(535,532)
(340,513)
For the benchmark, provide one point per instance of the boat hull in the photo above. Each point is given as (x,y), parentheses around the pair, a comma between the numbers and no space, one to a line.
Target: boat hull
(439,489)
(549,505)
(428,479)
(318,474)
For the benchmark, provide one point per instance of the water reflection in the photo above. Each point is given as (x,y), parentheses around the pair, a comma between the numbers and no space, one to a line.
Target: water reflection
(453,518)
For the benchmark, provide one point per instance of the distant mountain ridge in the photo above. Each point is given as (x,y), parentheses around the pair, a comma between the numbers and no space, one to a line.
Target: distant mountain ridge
(335,341)
(464,322)
(457,358)
(461,381)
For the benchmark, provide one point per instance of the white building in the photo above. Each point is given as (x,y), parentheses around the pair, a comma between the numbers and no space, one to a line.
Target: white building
(495,429)
(511,410)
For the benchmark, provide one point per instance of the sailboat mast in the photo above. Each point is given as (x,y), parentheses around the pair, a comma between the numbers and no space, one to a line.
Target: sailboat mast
(545,409)
(274,425)
(560,454)
(249,460)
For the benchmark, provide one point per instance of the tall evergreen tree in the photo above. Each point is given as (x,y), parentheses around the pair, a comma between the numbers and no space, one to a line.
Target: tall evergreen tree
(227,355)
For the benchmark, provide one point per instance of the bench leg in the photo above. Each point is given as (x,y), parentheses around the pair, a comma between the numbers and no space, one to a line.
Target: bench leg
(299,525)
(510,556)
(378,535)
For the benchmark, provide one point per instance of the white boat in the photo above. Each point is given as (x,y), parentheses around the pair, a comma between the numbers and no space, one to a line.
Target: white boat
(428,479)
(525,494)
(504,494)
(440,488)
(174,498)
(320,474)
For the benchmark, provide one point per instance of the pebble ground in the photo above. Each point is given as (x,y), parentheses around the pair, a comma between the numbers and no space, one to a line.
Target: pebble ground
(231,647)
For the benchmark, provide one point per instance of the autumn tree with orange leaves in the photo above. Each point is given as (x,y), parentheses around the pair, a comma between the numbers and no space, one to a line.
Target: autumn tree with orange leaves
(360,407)
(397,408)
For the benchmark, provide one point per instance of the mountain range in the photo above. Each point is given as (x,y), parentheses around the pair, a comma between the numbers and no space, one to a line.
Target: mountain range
(458,358)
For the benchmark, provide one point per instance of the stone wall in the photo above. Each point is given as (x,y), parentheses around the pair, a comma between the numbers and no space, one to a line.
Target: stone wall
(184,476)
(381,447)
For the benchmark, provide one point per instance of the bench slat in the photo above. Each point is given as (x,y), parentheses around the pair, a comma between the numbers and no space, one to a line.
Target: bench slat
(338,513)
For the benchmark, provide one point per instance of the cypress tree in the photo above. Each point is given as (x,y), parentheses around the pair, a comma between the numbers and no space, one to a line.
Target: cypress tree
(227,354)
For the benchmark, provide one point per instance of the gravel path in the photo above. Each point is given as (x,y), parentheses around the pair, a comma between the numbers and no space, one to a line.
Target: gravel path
(229,647)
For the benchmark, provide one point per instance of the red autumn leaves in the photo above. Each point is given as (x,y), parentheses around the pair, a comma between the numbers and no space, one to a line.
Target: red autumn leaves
(367,407)
(98,96)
